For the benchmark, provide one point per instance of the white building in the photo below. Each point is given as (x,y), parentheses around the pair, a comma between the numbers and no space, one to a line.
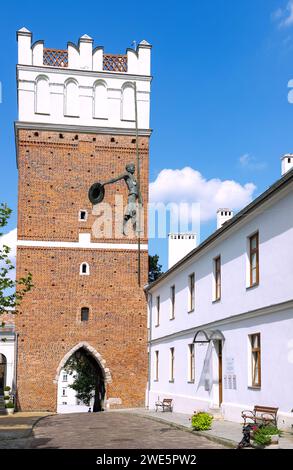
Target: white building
(8,347)
(67,401)
(221,319)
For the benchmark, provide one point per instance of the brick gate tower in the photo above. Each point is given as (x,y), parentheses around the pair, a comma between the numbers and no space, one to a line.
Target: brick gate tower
(76,126)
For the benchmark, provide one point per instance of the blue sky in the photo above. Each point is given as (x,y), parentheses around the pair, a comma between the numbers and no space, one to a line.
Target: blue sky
(219,95)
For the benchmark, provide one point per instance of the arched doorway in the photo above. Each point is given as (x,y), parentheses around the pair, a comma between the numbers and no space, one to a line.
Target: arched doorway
(3,366)
(82,379)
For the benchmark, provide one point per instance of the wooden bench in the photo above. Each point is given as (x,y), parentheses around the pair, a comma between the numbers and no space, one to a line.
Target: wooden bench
(166,404)
(261,415)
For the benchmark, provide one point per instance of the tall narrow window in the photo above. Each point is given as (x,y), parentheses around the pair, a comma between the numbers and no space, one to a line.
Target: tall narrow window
(217,278)
(191,292)
(71,98)
(255,360)
(127,103)
(172,361)
(158,311)
(254,260)
(42,95)
(84,314)
(156,365)
(191,363)
(172,299)
(84,269)
(82,215)
(100,101)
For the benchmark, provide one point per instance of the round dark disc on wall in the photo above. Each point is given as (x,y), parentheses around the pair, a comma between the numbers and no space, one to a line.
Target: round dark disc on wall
(96,193)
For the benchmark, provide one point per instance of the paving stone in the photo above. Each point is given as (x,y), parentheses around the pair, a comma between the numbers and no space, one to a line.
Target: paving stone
(112,431)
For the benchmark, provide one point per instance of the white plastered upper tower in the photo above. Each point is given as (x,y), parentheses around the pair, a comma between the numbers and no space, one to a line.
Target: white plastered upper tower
(82,85)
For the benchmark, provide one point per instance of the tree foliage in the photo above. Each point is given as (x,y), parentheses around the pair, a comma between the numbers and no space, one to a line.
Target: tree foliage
(155,268)
(84,374)
(11,291)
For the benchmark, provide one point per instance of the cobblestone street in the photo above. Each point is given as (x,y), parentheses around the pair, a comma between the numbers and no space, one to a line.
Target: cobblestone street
(112,431)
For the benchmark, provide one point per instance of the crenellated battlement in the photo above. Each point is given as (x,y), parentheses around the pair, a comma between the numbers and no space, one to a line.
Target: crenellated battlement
(83,56)
(82,85)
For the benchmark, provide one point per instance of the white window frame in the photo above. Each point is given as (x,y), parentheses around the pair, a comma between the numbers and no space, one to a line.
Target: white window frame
(191,295)
(156,368)
(87,269)
(158,307)
(214,293)
(79,215)
(172,301)
(191,363)
(172,364)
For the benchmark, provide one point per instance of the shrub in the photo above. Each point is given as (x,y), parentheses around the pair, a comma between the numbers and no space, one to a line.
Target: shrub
(262,435)
(6,397)
(201,421)
(7,389)
(10,404)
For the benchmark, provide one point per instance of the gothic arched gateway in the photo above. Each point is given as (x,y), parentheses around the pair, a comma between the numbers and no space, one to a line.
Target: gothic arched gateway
(79,357)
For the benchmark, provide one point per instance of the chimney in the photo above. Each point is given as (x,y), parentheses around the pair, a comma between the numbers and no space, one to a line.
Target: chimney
(287,162)
(179,245)
(223,215)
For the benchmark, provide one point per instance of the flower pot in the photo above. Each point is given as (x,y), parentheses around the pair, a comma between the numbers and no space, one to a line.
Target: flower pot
(10,411)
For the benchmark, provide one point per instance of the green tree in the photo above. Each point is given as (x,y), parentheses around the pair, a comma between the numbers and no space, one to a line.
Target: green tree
(155,269)
(87,382)
(11,291)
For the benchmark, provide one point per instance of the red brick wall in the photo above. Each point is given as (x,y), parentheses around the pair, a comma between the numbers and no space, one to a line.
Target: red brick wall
(54,176)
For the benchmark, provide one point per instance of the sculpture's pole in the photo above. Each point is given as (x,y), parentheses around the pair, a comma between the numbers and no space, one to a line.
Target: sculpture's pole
(138,184)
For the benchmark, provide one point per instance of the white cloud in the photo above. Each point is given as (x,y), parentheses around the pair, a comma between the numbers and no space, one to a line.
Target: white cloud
(188,185)
(9,239)
(284,16)
(251,163)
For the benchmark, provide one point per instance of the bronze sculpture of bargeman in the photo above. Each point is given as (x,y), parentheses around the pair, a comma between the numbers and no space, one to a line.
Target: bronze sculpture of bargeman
(97,192)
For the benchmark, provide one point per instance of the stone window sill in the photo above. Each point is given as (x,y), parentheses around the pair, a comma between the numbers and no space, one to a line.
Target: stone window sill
(254,387)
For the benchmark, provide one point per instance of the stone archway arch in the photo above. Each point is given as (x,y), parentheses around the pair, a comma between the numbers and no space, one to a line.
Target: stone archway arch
(84,345)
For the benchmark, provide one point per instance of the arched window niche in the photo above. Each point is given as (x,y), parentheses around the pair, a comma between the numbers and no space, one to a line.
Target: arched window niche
(100,100)
(84,269)
(71,98)
(127,102)
(42,95)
